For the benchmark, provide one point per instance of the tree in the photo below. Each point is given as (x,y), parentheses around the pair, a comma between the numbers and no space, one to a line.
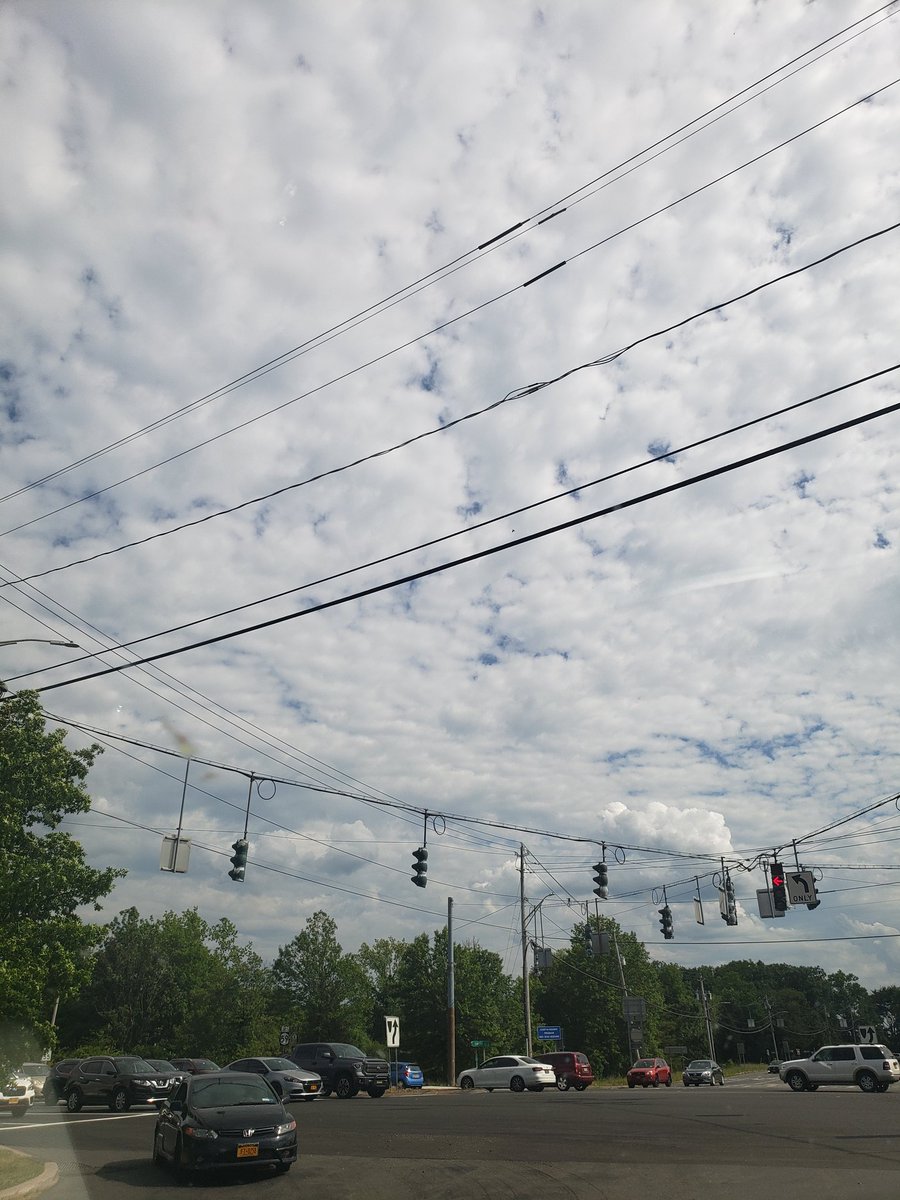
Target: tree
(45,877)
(318,990)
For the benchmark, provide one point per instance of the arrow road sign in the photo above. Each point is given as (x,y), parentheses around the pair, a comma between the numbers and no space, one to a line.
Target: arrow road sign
(801,887)
(867,1034)
(392,1027)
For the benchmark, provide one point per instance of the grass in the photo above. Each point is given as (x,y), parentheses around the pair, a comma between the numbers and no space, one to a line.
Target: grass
(730,1069)
(17,1168)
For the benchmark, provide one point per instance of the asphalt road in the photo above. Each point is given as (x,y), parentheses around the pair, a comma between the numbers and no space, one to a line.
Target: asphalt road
(754,1138)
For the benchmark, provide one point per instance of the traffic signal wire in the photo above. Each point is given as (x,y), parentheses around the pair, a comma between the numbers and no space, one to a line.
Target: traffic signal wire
(516,394)
(427,572)
(490,244)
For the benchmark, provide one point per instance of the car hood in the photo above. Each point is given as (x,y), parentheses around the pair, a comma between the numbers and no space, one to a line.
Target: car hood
(243,1116)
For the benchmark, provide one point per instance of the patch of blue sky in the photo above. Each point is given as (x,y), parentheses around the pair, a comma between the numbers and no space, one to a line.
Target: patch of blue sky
(469,510)
(428,382)
(882,541)
(801,482)
(659,449)
(301,711)
(488,660)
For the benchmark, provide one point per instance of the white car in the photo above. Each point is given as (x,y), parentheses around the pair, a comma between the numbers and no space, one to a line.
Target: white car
(513,1071)
(871,1068)
(16,1095)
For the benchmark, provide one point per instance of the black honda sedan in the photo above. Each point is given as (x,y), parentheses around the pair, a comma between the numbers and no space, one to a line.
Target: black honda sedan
(229,1119)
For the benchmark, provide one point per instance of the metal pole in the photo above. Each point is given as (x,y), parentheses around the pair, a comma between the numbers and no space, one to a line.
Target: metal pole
(708,1020)
(451,999)
(181,814)
(525,992)
(628,1054)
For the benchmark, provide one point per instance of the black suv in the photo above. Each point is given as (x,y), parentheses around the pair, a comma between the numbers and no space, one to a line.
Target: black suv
(118,1082)
(55,1083)
(345,1069)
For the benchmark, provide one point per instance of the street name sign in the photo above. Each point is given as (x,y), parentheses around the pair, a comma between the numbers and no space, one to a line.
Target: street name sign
(549,1033)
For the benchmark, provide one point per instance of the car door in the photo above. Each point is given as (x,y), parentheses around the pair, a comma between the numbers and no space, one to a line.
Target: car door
(485,1073)
(91,1076)
(170,1118)
(821,1066)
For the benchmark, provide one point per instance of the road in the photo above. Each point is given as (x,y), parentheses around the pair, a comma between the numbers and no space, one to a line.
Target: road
(754,1139)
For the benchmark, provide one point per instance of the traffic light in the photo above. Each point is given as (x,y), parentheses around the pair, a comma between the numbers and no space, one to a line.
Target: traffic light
(729,916)
(779,888)
(239,860)
(420,867)
(601,880)
(665,922)
(588,935)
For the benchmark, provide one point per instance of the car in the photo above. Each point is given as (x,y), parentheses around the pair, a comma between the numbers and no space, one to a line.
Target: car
(223,1120)
(16,1094)
(196,1066)
(649,1072)
(115,1081)
(774,1066)
(37,1072)
(873,1068)
(167,1070)
(345,1069)
(703,1070)
(288,1081)
(57,1078)
(517,1072)
(571,1067)
(406,1075)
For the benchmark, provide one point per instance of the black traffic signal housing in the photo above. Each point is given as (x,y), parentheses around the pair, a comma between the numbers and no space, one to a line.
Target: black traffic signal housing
(239,860)
(420,867)
(665,922)
(730,915)
(601,880)
(779,888)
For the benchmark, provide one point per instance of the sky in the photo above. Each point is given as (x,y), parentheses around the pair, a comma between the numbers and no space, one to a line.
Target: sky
(373,364)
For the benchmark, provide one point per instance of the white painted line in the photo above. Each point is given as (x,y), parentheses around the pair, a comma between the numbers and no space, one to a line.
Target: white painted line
(20,1126)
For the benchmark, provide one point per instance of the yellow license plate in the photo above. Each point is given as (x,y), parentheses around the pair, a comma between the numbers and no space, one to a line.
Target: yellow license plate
(313,1087)
(250,1150)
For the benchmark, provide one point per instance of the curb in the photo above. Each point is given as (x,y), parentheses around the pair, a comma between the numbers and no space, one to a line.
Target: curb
(47,1178)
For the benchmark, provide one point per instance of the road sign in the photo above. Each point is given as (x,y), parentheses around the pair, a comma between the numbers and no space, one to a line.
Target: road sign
(392,1027)
(549,1033)
(479,1042)
(634,1008)
(284,1039)
(867,1034)
(764,900)
(801,887)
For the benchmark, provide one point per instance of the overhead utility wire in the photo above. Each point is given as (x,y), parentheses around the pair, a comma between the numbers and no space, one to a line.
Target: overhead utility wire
(515,394)
(452,320)
(540,217)
(427,572)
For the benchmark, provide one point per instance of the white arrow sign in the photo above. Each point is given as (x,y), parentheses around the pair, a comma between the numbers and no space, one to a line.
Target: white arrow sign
(392,1027)
(801,887)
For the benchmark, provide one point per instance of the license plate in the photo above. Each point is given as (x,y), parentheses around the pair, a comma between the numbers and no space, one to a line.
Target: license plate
(313,1087)
(248,1150)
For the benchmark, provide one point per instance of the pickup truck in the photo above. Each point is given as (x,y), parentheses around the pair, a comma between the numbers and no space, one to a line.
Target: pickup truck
(345,1069)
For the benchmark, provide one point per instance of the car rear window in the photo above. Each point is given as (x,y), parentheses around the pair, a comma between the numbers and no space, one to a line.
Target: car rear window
(873,1052)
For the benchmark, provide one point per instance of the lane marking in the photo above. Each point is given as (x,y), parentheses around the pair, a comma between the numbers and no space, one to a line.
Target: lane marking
(20,1126)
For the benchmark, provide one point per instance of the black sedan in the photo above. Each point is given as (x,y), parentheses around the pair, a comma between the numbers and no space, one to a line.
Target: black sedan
(226,1120)
(703,1070)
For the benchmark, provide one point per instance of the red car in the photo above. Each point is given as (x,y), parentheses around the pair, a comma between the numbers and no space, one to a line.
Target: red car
(650,1072)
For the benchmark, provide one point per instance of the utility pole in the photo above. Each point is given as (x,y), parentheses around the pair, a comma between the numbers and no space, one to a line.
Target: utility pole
(451,999)
(767,1002)
(708,1019)
(525,990)
(629,1049)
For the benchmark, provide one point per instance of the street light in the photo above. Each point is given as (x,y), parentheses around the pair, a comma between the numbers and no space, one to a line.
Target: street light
(46,641)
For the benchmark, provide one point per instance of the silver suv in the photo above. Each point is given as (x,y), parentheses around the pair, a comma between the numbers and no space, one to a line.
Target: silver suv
(871,1068)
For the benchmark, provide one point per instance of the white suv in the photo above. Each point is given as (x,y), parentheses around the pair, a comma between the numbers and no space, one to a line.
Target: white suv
(871,1068)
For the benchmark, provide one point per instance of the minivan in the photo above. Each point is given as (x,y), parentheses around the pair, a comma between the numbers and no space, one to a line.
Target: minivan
(572,1069)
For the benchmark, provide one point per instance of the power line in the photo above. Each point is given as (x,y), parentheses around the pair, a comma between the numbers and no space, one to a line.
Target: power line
(426,572)
(452,320)
(539,218)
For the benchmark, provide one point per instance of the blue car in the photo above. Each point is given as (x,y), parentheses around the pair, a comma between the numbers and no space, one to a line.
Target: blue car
(406,1074)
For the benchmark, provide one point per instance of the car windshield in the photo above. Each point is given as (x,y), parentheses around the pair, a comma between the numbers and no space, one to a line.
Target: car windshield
(133,1066)
(342,1050)
(35,1069)
(279,1064)
(644,1062)
(700,1064)
(223,1093)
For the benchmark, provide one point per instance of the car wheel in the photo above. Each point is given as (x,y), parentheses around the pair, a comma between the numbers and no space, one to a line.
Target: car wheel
(344,1087)
(562,1084)
(580,1087)
(376,1092)
(467,1083)
(796,1081)
(119,1101)
(669,1081)
(867,1081)
(517,1084)
(74,1100)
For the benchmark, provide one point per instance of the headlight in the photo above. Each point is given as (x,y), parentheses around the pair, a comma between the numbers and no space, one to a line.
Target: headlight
(286,1128)
(291,1079)
(198,1132)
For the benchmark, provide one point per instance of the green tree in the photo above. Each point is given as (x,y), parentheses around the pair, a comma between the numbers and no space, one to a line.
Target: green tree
(45,877)
(317,989)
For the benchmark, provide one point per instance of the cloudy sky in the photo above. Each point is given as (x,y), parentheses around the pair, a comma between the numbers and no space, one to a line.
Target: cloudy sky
(277,283)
